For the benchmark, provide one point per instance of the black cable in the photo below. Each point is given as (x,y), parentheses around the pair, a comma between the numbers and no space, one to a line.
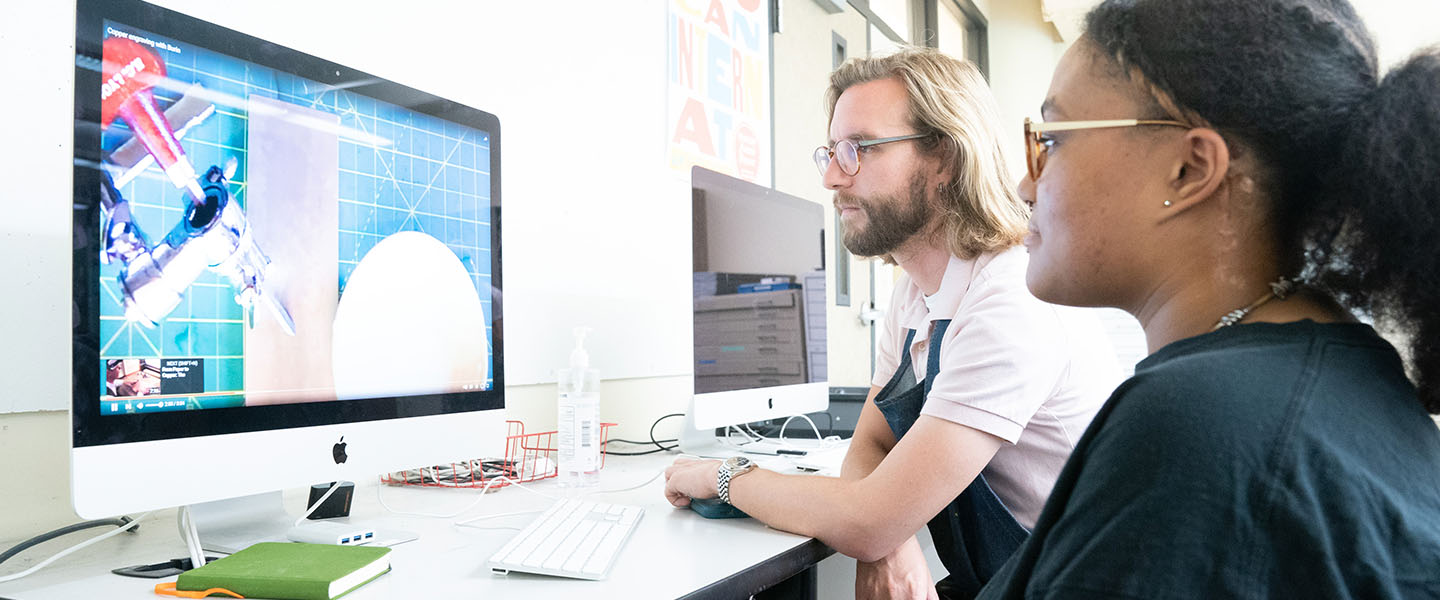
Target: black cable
(66,530)
(652,431)
(639,443)
(659,444)
(660,449)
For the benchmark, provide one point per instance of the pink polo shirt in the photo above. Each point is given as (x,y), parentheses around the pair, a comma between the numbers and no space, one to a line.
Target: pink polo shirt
(1030,373)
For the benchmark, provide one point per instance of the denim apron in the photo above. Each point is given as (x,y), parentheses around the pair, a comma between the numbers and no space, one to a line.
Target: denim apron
(975,533)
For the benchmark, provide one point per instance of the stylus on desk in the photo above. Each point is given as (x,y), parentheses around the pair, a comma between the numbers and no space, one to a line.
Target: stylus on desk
(774,451)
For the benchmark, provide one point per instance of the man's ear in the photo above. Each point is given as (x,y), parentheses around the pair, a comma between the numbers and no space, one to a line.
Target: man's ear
(1201,168)
(947,153)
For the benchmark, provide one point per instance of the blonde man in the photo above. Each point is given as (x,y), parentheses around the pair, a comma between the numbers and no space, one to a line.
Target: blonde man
(980,391)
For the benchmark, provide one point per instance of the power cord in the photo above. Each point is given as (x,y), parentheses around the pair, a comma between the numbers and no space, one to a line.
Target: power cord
(659,444)
(185,523)
(66,530)
(750,436)
(66,552)
(826,442)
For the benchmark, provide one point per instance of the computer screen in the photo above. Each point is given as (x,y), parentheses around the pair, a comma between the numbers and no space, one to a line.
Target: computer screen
(759,302)
(277,257)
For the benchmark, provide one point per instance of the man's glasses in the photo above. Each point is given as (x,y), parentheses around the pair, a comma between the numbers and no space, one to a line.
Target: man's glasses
(846,153)
(1037,148)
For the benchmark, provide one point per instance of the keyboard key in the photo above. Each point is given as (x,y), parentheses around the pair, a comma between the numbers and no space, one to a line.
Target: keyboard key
(573,538)
(552,541)
(568,546)
(582,554)
(605,552)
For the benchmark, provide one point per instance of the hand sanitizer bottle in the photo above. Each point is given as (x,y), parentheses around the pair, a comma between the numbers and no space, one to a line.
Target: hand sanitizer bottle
(578,417)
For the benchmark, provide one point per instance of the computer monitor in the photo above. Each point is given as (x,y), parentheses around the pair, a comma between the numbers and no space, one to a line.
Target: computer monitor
(759,307)
(286,271)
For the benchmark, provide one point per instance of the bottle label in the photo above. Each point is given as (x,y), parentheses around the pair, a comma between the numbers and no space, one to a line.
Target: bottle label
(577,442)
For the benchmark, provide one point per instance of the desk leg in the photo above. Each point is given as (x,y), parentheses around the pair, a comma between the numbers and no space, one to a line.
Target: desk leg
(801,585)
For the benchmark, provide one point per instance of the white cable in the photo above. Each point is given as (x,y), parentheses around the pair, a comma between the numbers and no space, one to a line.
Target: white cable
(749,434)
(633,487)
(66,552)
(466,522)
(457,513)
(323,498)
(490,527)
(194,531)
(754,435)
(185,524)
(826,442)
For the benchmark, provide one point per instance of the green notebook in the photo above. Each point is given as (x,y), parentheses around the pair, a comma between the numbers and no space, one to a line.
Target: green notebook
(289,571)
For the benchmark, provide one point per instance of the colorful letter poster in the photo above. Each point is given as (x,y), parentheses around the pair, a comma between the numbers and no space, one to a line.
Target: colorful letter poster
(719,98)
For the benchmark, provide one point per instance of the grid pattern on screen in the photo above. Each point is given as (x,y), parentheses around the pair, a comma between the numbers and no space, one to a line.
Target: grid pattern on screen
(432,176)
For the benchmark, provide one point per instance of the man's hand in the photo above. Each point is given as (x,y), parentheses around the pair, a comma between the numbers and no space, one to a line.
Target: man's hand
(689,478)
(902,574)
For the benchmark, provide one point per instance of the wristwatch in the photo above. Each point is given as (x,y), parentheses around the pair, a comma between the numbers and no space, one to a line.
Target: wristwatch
(733,467)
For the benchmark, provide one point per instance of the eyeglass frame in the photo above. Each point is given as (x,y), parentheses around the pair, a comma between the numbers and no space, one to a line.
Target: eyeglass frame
(1035,147)
(830,150)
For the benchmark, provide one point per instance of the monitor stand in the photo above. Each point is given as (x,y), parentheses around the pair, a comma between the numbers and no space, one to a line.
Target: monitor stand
(705,444)
(231,525)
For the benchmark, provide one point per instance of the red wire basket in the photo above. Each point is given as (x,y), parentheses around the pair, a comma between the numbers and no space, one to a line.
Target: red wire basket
(528,457)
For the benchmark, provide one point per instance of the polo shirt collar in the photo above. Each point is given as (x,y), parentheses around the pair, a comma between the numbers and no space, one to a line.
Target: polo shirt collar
(946,301)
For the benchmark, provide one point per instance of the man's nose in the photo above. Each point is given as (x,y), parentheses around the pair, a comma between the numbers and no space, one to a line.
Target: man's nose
(834,177)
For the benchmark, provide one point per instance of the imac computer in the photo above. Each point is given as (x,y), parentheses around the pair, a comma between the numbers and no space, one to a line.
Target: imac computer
(759,311)
(286,271)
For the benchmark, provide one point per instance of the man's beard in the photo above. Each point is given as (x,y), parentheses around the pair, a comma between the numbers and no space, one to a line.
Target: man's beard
(890,221)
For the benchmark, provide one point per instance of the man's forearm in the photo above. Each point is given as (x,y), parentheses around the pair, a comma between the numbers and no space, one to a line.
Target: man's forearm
(834,511)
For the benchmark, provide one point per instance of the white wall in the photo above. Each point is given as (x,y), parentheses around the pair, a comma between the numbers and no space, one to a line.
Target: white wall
(802,72)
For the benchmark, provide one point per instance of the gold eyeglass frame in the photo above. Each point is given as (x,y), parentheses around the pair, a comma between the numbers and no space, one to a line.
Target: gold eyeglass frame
(1036,150)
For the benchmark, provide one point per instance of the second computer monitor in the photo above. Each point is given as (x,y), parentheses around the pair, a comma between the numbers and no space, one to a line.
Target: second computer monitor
(759,302)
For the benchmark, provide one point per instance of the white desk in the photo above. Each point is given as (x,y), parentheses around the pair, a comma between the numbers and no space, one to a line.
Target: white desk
(673,553)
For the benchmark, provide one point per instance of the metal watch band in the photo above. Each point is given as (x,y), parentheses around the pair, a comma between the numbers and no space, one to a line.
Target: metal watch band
(724,480)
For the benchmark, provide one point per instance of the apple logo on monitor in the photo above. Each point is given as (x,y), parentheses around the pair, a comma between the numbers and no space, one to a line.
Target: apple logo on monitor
(339,451)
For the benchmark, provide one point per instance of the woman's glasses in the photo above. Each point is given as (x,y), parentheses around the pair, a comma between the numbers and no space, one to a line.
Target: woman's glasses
(1037,148)
(846,153)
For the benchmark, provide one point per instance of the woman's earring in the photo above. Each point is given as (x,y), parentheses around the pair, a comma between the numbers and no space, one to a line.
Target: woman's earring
(1167,203)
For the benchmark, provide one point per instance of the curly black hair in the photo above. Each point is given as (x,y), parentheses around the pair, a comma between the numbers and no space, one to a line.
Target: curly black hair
(1355,159)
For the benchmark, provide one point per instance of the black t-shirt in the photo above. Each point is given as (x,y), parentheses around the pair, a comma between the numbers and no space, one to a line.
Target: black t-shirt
(1259,461)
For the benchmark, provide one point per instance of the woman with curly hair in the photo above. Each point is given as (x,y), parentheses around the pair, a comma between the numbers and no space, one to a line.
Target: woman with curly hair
(1238,176)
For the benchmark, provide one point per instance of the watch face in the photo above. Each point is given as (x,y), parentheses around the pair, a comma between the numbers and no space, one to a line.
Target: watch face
(737,463)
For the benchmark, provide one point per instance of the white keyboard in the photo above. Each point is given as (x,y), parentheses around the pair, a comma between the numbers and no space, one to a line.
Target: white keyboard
(573,538)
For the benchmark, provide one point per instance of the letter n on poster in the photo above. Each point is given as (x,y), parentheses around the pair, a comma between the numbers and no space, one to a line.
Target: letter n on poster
(718,70)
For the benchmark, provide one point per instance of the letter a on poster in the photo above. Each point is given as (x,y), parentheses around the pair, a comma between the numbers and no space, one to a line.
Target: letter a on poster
(718,108)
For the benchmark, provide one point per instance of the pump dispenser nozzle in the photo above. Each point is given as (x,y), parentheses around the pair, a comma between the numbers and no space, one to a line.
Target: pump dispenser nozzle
(579,358)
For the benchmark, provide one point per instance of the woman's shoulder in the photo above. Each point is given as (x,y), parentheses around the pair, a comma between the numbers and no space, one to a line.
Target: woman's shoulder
(1237,390)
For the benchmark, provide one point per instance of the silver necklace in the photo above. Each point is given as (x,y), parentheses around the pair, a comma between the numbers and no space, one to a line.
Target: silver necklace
(1279,289)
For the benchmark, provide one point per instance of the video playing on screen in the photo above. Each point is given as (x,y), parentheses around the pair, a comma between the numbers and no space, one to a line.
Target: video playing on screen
(267,239)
